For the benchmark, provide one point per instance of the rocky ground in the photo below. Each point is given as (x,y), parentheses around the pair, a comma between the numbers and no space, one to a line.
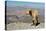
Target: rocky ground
(22,23)
(21,26)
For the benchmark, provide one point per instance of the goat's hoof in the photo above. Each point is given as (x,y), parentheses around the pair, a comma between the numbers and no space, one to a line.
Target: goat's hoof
(37,24)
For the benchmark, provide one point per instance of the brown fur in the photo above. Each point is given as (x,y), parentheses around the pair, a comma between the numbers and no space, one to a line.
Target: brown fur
(35,18)
(30,13)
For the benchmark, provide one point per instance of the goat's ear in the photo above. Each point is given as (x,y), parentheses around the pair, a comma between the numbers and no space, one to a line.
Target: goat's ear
(30,12)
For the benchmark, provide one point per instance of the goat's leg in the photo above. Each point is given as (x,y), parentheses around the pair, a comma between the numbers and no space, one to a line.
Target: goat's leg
(37,19)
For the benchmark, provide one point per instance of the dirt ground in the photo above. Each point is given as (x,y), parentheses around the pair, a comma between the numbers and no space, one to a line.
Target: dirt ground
(21,26)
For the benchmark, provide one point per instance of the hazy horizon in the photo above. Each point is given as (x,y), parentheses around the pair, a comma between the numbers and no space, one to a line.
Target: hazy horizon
(13,6)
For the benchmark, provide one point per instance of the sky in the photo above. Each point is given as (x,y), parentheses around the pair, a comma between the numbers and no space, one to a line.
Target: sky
(41,1)
(25,4)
